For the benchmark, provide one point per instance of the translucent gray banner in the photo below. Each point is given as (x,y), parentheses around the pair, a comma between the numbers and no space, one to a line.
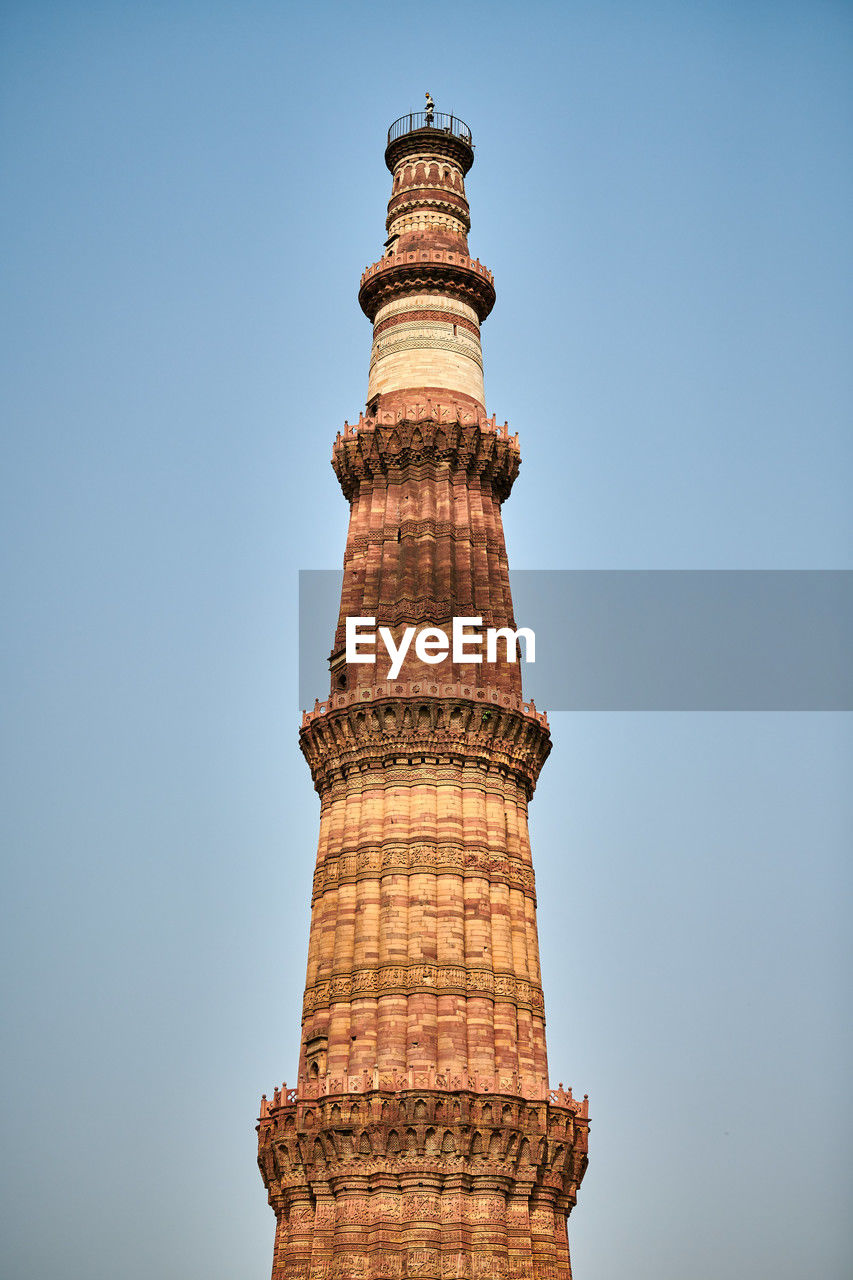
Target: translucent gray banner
(651,640)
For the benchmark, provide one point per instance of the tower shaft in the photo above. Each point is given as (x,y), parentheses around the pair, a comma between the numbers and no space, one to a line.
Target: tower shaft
(422,1138)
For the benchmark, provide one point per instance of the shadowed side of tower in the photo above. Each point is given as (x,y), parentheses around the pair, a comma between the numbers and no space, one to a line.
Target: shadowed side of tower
(422,1138)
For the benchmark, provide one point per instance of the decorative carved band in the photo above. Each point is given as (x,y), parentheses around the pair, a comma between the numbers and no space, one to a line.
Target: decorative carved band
(430,192)
(448,317)
(417,335)
(410,1181)
(397,730)
(449,309)
(408,199)
(440,858)
(428,688)
(472,447)
(431,979)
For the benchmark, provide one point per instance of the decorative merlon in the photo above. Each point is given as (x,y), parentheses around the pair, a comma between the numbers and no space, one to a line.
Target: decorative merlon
(426,255)
(424,689)
(376,1081)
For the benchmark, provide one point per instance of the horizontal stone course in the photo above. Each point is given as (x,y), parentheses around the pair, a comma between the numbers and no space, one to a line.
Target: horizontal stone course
(405,979)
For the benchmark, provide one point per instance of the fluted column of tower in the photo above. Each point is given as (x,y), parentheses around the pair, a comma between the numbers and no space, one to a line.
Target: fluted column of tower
(422,1138)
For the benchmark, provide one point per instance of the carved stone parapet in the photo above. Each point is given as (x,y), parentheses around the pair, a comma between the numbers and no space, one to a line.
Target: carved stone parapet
(486,697)
(408,724)
(477,448)
(427,270)
(413,1081)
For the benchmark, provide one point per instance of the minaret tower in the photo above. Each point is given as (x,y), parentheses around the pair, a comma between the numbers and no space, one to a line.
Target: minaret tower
(422,1138)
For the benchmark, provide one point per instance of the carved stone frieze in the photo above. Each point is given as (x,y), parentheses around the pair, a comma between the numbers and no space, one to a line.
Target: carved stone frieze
(413,855)
(475,448)
(424,313)
(393,732)
(408,979)
(484,1181)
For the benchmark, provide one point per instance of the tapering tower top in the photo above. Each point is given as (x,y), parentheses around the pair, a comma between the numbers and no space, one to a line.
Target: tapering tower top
(426,296)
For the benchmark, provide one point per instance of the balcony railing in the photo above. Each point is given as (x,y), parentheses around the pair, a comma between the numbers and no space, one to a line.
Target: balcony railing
(439,120)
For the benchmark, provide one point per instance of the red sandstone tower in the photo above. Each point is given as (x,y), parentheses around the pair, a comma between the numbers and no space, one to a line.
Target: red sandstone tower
(422,1138)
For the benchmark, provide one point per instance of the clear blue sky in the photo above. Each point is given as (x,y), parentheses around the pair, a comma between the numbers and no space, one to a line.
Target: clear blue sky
(189,193)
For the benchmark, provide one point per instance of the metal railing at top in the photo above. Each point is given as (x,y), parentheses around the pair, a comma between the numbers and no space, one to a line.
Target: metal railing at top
(439,120)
